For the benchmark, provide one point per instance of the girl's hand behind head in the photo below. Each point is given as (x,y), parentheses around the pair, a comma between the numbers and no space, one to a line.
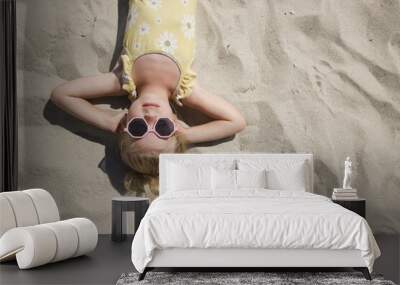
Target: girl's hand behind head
(182,127)
(118,122)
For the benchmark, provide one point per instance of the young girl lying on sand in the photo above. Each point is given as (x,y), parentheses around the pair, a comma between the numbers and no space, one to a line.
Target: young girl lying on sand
(154,69)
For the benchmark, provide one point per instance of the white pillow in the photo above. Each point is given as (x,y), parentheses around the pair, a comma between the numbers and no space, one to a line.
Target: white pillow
(251,178)
(223,179)
(282,174)
(287,179)
(183,177)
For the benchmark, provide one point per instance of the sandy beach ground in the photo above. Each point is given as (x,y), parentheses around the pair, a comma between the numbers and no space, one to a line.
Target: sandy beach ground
(309,76)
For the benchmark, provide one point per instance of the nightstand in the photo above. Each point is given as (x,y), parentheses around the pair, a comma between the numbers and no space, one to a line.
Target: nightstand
(124,204)
(355,205)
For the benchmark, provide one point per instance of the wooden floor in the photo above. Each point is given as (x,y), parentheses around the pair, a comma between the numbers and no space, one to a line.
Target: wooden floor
(102,266)
(111,259)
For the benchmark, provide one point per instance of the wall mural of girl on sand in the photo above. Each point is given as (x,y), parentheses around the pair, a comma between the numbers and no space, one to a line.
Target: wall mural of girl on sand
(155,72)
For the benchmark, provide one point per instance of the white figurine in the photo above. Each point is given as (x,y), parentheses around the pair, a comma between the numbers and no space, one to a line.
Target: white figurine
(347,174)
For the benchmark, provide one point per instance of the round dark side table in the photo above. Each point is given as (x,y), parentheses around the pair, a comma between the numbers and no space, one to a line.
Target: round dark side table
(123,204)
(356,205)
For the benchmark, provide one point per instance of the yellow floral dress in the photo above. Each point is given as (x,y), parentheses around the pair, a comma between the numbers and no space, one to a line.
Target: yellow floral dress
(160,26)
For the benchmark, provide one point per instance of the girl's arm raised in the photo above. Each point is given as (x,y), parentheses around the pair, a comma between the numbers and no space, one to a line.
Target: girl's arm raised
(73,98)
(228,120)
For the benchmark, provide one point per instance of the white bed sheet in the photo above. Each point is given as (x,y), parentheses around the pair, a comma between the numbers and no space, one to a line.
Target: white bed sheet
(251,218)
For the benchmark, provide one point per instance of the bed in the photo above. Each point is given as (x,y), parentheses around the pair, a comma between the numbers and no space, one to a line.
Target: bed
(247,210)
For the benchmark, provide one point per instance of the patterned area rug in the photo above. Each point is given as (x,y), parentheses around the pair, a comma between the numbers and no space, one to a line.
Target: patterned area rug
(243,278)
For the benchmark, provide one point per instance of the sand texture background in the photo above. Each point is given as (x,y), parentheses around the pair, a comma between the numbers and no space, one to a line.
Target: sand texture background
(309,76)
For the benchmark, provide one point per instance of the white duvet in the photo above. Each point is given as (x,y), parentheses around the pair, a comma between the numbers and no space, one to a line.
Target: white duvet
(250,218)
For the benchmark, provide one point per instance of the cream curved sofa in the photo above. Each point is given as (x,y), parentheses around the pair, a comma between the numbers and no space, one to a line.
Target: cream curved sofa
(31,230)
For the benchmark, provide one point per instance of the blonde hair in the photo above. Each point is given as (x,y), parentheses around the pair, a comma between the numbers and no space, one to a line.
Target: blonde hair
(142,179)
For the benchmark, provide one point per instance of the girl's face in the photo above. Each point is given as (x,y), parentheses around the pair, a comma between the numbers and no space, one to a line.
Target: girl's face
(151,106)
